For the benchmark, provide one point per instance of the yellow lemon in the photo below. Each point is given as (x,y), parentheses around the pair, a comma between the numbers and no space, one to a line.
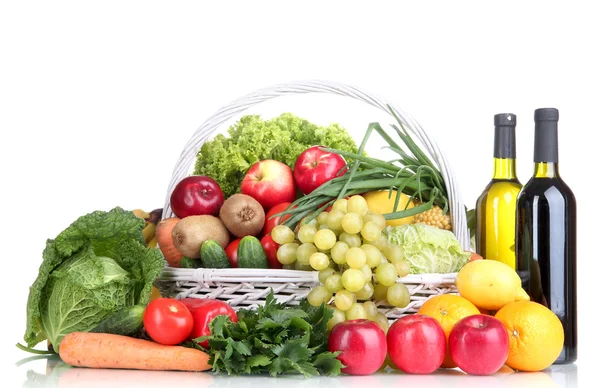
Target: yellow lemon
(382,202)
(489,284)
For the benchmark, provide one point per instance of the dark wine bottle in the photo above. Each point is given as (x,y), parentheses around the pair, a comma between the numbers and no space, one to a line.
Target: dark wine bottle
(546,234)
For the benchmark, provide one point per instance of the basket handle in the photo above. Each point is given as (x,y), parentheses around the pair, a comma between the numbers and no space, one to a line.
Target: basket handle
(204,132)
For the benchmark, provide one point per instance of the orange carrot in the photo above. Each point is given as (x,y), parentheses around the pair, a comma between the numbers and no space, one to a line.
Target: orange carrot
(110,351)
(164,237)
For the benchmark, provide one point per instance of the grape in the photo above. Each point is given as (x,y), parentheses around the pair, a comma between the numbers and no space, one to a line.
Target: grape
(373,255)
(367,273)
(357,204)
(289,266)
(380,292)
(382,321)
(356,311)
(366,292)
(386,274)
(393,252)
(334,283)
(324,274)
(322,226)
(352,240)
(340,204)
(322,218)
(302,267)
(356,257)
(381,243)
(353,280)
(319,261)
(319,295)
(352,223)
(370,309)
(398,295)
(282,234)
(312,222)
(377,218)
(334,219)
(344,299)
(403,267)
(370,231)
(306,233)
(338,252)
(325,239)
(304,252)
(338,316)
(286,254)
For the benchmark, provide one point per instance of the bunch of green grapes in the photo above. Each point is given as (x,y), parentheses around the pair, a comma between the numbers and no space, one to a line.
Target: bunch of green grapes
(357,265)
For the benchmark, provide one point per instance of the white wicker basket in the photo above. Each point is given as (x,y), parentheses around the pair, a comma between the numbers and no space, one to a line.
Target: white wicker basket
(249,287)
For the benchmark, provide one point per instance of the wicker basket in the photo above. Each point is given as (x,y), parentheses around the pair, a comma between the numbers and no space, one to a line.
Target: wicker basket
(249,287)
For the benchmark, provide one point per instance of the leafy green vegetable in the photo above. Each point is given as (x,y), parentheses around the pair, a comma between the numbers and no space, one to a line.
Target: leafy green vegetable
(227,158)
(429,249)
(95,268)
(273,339)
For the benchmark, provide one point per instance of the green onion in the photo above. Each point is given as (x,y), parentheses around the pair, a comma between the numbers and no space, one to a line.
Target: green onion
(412,173)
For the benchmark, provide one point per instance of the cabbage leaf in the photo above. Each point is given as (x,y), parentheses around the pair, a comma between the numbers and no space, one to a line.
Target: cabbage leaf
(429,249)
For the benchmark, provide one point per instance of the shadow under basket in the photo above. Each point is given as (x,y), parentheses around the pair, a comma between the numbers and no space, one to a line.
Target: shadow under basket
(246,288)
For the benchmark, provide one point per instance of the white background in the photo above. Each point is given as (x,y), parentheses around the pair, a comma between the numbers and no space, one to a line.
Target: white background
(97,100)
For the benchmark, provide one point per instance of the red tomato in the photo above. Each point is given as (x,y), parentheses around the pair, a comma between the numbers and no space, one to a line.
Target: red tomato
(270,223)
(168,321)
(204,311)
(271,248)
(232,254)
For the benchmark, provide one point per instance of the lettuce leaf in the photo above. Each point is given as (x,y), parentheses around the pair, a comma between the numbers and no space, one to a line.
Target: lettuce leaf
(429,249)
(93,269)
(252,139)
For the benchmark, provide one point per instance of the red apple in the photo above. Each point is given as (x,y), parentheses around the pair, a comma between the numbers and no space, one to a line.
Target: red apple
(315,167)
(417,344)
(196,195)
(270,182)
(362,345)
(479,344)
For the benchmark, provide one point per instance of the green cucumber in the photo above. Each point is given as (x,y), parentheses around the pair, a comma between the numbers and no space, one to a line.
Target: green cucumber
(127,321)
(186,262)
(251,253)
(213,255)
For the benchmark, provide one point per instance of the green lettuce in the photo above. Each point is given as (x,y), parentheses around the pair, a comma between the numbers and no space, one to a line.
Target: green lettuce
(226,159)
(96,267)
(429,249)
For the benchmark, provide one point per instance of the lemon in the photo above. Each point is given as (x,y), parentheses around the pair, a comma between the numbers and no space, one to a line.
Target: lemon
(382,202)
(489,284)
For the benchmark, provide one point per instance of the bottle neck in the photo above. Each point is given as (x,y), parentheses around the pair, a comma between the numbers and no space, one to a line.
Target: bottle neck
(505,168)
(546,142)
(546,170)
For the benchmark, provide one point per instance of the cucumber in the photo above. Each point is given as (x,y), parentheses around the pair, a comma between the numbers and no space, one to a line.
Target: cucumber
(213,255)
(251,253)
(127,321)
(186,262)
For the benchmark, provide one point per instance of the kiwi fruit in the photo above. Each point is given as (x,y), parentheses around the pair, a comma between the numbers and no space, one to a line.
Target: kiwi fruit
(242,215)
(191,232)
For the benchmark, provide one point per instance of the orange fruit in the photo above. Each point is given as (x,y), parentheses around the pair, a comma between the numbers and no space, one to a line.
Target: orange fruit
(447,310)
(536,335)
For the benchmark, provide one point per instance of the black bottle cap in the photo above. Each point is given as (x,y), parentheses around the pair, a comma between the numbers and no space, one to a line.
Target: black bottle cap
(546,135)
(505,120)
(546,114)
(504,138)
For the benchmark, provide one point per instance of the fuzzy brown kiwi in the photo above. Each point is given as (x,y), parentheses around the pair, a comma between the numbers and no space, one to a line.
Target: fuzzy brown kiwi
(242,215)
(191,232)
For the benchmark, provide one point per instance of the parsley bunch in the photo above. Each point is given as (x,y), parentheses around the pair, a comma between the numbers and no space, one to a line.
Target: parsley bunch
(273,339)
